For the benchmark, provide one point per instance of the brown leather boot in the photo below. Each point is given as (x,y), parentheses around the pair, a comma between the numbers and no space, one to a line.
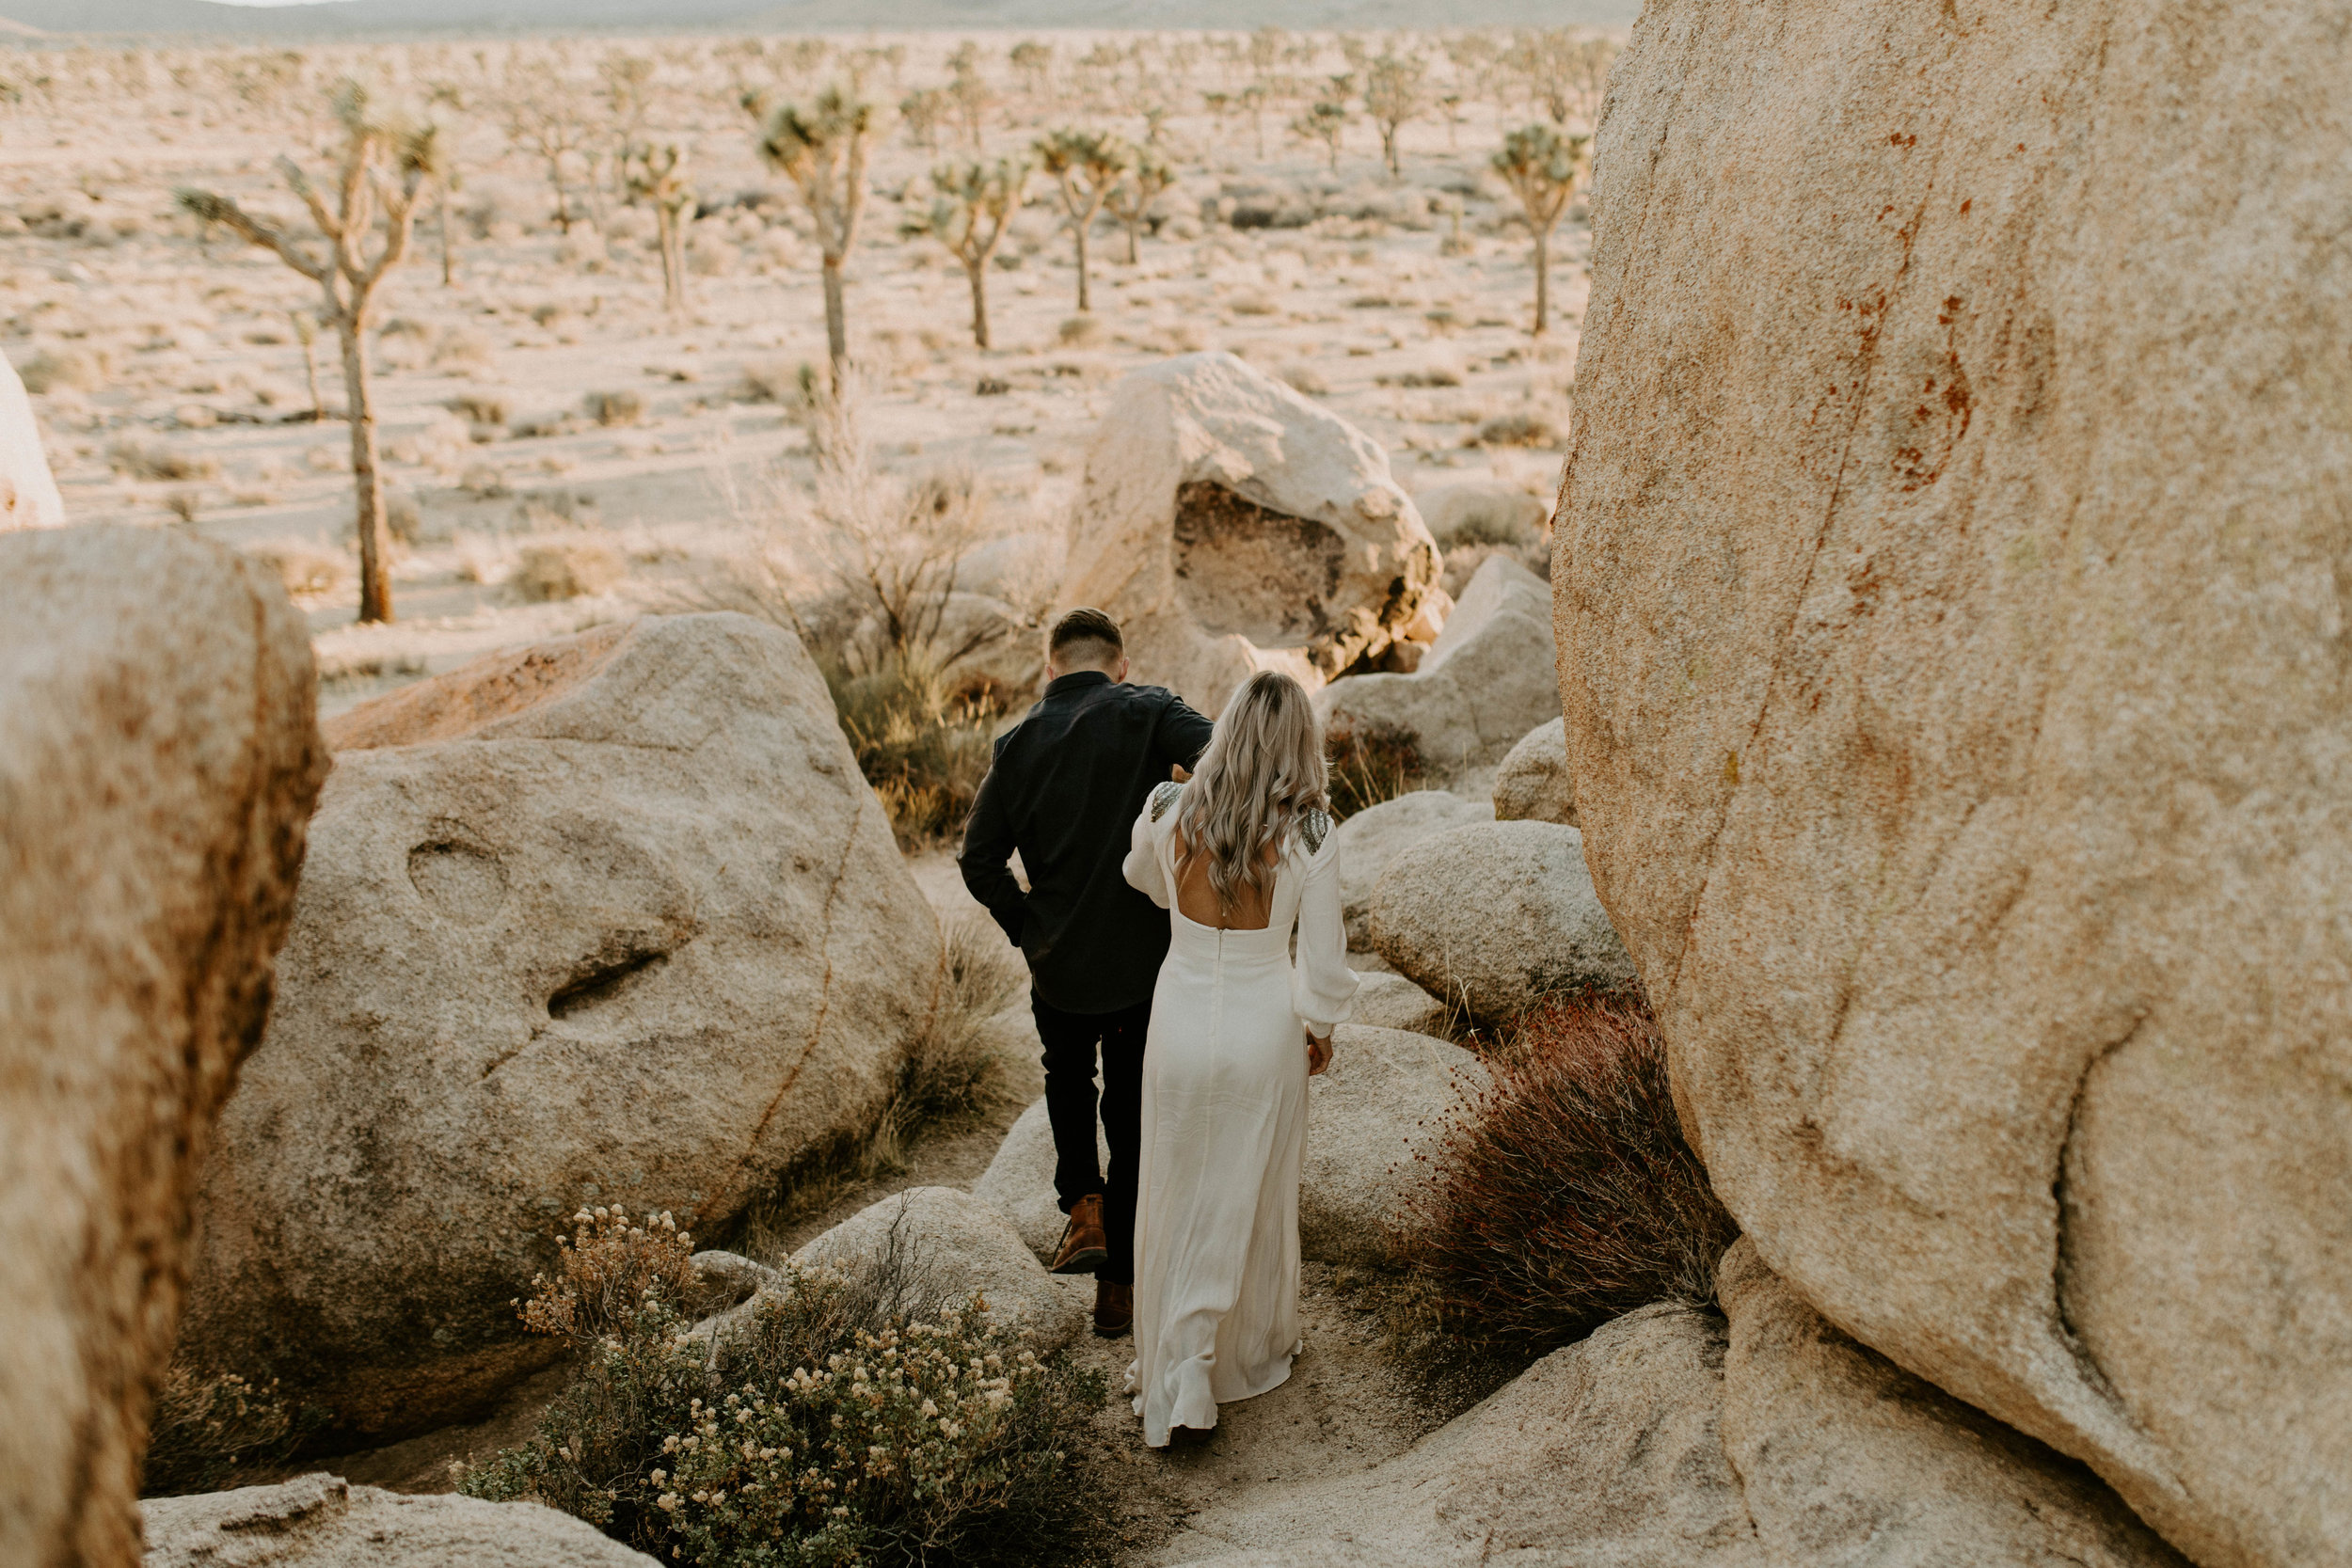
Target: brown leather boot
(1084,1247)
(1114,1308)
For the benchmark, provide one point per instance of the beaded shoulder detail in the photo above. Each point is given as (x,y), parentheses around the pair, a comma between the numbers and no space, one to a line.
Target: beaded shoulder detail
(1164,796)
(1313,827)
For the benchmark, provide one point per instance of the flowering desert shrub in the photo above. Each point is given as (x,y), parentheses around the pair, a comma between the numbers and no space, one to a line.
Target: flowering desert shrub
(205,1430)
(1564,1195)
(837,1421)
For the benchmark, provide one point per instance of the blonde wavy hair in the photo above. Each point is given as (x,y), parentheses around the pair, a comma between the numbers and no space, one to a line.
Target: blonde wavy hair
(1261,774)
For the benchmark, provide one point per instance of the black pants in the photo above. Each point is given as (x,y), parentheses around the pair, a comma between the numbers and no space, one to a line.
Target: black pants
(1069,1040)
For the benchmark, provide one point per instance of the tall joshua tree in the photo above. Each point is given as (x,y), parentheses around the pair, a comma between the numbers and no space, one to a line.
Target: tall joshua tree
(1132,199)
(1542,166)
(1394,92)
(822,151)
(1086,164)
(655,175)
(386,166)
(975,203)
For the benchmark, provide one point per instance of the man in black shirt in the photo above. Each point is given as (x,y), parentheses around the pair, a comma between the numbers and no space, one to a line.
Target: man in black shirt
(1064,790)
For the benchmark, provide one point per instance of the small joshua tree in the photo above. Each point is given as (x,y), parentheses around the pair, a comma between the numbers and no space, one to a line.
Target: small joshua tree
(1086,164)
(1132,199)
(1542,166)
(1394,92)
(1035,62)
(386,166)
(1326,121)
(548,126)
(657,176)
(975,203)
(822,151)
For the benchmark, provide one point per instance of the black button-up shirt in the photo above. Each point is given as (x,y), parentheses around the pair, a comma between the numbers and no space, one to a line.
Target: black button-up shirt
(1065,788)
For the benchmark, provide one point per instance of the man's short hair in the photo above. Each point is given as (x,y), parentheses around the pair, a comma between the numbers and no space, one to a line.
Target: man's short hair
(1087,625)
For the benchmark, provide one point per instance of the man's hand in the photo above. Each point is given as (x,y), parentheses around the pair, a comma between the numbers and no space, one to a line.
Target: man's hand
(1318,1052)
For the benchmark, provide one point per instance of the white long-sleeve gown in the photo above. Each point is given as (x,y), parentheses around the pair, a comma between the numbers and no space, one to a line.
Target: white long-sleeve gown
(1225,1131)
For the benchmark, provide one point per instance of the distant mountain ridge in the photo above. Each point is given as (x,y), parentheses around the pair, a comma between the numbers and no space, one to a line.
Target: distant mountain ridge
(360,18)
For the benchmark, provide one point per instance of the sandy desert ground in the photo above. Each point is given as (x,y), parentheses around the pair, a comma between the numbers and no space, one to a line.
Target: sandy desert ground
(168,368)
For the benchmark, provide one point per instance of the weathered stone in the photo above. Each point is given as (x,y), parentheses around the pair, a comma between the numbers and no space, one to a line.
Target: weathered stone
(1385,1001)
(1844,1458)
(1232,526)
(1368,840)
(1019,1181)
(1486,681)
(1481,512)
(1951,628)
(1499,915)
(321,1521)
(158,760)
(1367,1116)
(948,1245)
(28,493)
(1606,1454)
(1533,784)
(611,919)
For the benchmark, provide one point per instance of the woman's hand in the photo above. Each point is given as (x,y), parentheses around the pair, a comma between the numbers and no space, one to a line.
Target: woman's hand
(1318,1052)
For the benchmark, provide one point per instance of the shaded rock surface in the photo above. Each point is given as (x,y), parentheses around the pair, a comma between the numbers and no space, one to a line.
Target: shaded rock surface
(1533,784)
(28,492)
(1954,681)
(1486,681)
(1385,1001)
(1230,525)
(1499,913)
(159,755)
(1366,1117)
(1368,840)
(950,1243)
(610,919)
(323,1520)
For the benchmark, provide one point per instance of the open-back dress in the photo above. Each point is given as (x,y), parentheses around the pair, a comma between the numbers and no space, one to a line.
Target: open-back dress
(1225,1127)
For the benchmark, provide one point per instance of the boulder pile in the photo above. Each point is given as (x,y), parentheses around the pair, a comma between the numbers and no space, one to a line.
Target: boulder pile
(159,755)
(610,919)
(1954,648)
(1232,526)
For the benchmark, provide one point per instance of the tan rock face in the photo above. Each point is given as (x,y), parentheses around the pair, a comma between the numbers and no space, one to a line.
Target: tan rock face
(945,1245)
(1951,621)
(323,1521)
(1533,784)
(158,761)
(1231,526)
(28,493)
(1377,834)
(614,919)
(1367,1118)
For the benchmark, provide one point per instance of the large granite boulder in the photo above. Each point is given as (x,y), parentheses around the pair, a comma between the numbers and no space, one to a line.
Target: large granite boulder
(1376,835)
(1367,1116)
(943,1245)
(159,755)
(1498,916)
(28,492)
(1661,1441)
(1390,1000)
(1533,784)
(1232,526)
(1486,682)
(1951,618)
(323,1521)
(610,919)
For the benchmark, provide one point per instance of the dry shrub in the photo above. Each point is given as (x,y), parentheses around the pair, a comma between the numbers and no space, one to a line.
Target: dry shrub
(1564,1195)
(614,408)
(48,369)
(564,569)
(490,409)
(842,1420)
(205,1430)
(1521,428)
(608,1266)
(922,748)
(1307,379)
(303,568)
(1371,762)
(137,459)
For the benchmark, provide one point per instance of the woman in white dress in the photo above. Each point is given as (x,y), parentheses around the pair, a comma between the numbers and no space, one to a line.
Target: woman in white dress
(1240,857)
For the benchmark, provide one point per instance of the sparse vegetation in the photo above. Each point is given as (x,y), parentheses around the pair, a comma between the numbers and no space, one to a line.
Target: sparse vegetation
(205,1430)
(1371,762)
(1564,1195)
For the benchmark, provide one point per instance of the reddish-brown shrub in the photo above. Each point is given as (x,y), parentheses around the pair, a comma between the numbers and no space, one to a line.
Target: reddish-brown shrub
(1564,1195)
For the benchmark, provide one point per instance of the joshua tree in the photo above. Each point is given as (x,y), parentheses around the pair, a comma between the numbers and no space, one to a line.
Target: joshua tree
(822,152)
(1541,165)
(1033,60)
(386,164)
(548,126)
(1394,92)
(1324,121)
(657,176)
(920,112)
(1132,199)
(975,202)
(1086,164)
(969,91)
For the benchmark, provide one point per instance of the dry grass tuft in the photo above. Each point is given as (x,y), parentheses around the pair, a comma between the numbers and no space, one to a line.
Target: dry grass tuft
(205,1430)
(622,408)
(1372,762)
(564,569)
(1564,1195)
